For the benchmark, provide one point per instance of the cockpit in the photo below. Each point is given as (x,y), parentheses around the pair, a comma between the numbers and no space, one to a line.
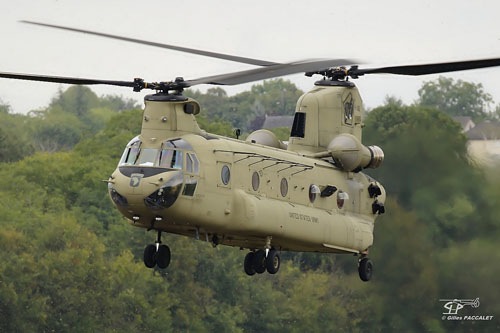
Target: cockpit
(175,160)
(173,154)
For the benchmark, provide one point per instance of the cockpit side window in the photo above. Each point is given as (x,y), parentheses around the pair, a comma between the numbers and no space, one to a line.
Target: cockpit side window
(196,164)
(131,153)
(170,158)
(189,163)
(180,144)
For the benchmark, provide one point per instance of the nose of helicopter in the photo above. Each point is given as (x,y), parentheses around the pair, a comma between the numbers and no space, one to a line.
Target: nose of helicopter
(138,192)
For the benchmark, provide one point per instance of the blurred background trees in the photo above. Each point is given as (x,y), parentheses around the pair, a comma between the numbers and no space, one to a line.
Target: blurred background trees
(69,261)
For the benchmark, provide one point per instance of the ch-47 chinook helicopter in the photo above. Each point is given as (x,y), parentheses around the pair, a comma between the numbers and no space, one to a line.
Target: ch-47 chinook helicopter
(260,194)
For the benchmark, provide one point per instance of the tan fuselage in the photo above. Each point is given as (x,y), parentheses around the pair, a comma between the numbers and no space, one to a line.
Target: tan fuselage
(240,213)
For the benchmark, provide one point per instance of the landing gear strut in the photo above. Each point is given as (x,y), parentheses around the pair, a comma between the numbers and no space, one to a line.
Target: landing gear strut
(365,269)
(157,254)
(258,262)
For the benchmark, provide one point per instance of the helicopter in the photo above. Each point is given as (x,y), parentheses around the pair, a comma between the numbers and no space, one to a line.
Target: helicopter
(309,194)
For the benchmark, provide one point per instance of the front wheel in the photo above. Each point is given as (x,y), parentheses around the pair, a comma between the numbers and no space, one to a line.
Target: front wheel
(163,256)
(365,269)
(273,262)
(150,256)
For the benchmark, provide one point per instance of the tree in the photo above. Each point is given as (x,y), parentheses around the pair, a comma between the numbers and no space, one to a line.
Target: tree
(427,167)
(247,110)
(69,261)
(14,140)
(458,98)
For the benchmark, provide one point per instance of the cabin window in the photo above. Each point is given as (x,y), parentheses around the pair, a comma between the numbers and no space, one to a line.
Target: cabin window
(299,125)
(225,175)
(341,197)
(313,192)
(284,187)
(255,181)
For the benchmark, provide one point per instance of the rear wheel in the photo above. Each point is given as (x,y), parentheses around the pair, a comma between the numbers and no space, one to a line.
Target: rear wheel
(248,264)
(259,261)
(365,269)
(150,256)
(163,256)
(273,262)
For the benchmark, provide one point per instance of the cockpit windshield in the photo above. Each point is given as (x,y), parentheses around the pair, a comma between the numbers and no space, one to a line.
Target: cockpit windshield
(134,155)
(147,157)
(171,155)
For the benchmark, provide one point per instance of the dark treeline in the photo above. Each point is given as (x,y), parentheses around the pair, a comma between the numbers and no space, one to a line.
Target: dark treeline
(69,262)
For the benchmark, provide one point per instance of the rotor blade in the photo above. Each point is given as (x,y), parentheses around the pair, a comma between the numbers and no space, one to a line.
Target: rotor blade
(244,60)
(429,68)
(270,72)
(63,79)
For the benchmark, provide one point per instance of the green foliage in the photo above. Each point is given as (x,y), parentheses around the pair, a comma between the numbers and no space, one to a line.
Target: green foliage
(282,133)
(68,261)
(14,141)
(247,110)
(458,98)
(73,115)
(215,126)
(56,130)
(427,167)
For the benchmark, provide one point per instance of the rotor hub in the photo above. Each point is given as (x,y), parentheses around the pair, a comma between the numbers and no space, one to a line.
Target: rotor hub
(337,74)
(176,86)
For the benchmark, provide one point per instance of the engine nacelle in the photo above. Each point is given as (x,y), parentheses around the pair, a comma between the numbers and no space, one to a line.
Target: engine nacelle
(266,138)
(351,155)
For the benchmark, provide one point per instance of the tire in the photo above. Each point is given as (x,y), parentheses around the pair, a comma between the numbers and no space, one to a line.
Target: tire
(365,269)
(150,256)
(248,264)
(259,261)
(163,256)
(273,262)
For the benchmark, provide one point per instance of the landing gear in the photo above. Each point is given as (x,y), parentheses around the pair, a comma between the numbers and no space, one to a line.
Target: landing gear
(248,264)
(150,256)
(163,257)
(365,269)
(258,262)
(157,254)
(273,262)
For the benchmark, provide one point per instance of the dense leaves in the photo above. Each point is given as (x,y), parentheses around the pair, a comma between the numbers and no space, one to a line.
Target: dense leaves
(68,261)
(247,110)
(458,98)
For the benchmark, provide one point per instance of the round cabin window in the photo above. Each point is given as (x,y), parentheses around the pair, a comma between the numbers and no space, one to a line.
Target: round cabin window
(313,192)
(284,187)
(255,181)
(225,174)
(341,198)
